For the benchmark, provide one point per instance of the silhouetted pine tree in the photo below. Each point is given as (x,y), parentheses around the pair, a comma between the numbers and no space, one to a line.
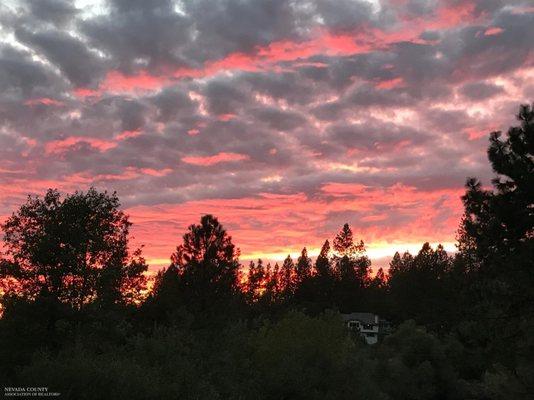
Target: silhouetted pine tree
(496,244)
(303,268)
(421,287)
(287,275)
(352,265)
(255,284)
(207,264)
(352,269)
(323,266)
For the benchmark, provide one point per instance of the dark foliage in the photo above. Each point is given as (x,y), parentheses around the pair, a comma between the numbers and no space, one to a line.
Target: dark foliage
(203,275)
(496,245)
(73,250)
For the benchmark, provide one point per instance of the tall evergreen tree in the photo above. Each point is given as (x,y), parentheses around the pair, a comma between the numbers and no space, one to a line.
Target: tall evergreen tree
(380,279)
(344,243)
(164,296)
(352,271)
(207,264)
(287,275)
(275,283)
(498,225)
(255,284)
(303,267)
(323,279)
(421,287)
(496,246)
(352,265)
(323,266)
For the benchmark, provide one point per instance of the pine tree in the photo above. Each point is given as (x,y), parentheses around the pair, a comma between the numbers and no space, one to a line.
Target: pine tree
(344,242)
(323,266)
(255,281)
(287,274)
(276,280)
(208,265)
(497,246)
(380,279)
(351,263)
(303,268)
(420,287)
(501,221)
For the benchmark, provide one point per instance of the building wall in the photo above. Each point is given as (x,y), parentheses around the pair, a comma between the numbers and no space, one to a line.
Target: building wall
(369,333)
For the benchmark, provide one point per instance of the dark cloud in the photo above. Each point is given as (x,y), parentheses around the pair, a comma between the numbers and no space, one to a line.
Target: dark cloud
(229,26)
(421,7)
(58,12)
(430,36)
(225,96)
(21,75)
(481,55)
(78,64)
(344,15)
(447,120)
(374,134)
(132,116)
(480,90)
(396,109)
(173,103)
(278,119)
(291,87)
(140,35)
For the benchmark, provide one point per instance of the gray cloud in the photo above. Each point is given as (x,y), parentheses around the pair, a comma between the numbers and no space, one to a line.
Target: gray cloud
(78,64)
(480,90)
(295,119)
(58,12)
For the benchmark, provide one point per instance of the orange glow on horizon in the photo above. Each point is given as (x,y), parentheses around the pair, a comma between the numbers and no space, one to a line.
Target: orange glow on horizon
(378,252)
(272,226)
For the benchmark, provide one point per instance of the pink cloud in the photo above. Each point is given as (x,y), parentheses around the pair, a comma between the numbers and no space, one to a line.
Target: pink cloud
(155,172)
(118,82)
(127,174)
(85,92)
(226,117)
(43,100)
(358,41)
(495,30)
(215,159)
(261,58)
(391,83)
(322,41)
(127,134)
(61,146)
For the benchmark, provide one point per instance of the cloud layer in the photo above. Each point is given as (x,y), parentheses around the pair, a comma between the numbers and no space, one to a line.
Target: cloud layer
(284,118)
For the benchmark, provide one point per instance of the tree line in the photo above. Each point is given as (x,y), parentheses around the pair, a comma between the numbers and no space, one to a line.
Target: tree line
(78,312)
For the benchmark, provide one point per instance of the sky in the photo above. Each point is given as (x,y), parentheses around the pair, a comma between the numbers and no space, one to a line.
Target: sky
(285,119)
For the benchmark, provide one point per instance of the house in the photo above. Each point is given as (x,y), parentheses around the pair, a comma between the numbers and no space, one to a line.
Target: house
(370,326)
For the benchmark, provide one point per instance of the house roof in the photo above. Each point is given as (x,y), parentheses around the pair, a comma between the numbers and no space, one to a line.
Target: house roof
(366,318)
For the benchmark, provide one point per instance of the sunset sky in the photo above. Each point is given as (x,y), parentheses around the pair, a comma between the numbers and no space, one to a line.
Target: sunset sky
(285,119)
